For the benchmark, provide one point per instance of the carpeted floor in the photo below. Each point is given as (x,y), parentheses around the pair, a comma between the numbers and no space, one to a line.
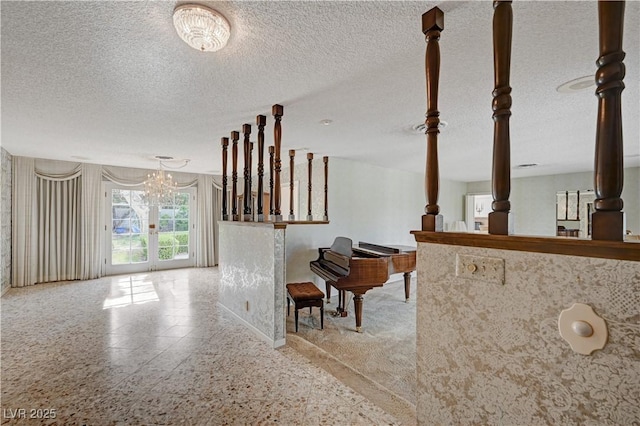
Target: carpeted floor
(384,352)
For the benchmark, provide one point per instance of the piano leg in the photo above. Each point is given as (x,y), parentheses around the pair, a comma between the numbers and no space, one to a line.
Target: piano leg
(357,301)
(407,285)
(328,288)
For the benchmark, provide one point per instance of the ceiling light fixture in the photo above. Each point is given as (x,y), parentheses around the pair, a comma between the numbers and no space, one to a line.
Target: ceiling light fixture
(160,186)
(577,84)
(526,165)
(202,28)
(421,128)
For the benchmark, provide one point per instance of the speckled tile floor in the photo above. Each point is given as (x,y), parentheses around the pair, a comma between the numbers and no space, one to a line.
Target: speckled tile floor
(155,348)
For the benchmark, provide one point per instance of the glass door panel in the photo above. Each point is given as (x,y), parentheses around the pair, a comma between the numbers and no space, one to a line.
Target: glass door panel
(144,237)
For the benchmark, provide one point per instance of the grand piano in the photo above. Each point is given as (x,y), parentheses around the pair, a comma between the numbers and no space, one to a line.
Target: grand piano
(361,268)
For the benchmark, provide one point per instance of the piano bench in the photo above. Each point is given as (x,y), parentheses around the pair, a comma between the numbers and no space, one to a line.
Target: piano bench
(305,295)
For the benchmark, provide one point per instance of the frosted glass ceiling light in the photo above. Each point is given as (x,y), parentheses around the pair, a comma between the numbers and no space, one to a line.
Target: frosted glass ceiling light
(201,28)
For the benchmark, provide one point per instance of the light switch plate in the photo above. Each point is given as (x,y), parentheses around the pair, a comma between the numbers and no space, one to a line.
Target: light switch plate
(489,269)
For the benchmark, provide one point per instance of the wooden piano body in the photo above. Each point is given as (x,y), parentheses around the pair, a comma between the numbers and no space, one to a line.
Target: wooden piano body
(359,269)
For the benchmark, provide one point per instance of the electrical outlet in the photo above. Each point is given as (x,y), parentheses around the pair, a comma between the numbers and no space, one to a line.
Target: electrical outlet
(489,269)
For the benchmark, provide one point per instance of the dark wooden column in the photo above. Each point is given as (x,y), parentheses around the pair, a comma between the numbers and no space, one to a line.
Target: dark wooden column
(292,154)
(271,153)
(309,175)
(326,188)
(234,175)
(608,218)
(432,24)
(225,145)
(500,220)
(277,111)
(261,121)
(246,130)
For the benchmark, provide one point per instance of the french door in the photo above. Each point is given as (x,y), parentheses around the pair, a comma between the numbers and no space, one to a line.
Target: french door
(142,237)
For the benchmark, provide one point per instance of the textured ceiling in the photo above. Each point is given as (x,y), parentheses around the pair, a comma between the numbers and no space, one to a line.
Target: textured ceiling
(111,83)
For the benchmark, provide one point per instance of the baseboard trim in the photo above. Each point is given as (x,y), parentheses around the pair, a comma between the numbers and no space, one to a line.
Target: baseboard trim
(274,343)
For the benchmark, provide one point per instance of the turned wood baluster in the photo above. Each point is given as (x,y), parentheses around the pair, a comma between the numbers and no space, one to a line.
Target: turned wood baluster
(225,145)
(309,173)
(500,221)
(234,175)
(250,181)
(246,130)
(432,25)
(261,121)
(277,111)
(608,218)
(271,152)
(326,188)
(292,154)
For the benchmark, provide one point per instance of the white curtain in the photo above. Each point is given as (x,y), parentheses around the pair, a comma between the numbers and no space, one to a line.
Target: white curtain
(91,247)
(58,215)
(24,237)
(207,226)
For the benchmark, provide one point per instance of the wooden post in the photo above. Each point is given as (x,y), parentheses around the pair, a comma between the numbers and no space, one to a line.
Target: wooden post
(225,144)
(292,154)
(234,175)
(608,219)
(309,174)
(271,152)
(500,220)
(246,130)
(261,121)
(277,111)
(432,25)
(326,188)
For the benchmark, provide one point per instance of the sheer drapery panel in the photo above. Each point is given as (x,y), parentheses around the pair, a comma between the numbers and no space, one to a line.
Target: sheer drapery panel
(58,230)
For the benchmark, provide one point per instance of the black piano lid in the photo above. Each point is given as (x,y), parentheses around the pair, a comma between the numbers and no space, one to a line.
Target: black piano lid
(391,249)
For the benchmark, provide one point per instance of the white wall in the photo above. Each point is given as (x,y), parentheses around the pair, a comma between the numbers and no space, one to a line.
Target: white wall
(533,199)
(366,203)
(252,277)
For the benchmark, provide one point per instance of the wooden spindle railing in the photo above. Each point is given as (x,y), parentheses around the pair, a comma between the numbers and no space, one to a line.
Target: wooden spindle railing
(608,218)
(432,25)
(261,121)
(292,154)
(277,112)
(500,221)
(309,175)
(235,136)
(326,188)
(246,130)
(271,204)
(225,145)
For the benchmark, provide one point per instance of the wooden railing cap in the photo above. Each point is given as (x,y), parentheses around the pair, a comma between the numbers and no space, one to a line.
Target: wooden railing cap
(433,19)
(277,110)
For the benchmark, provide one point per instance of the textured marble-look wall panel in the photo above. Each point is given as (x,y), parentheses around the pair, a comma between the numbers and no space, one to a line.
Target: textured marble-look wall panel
(5,221)
(489,353)
(252,270)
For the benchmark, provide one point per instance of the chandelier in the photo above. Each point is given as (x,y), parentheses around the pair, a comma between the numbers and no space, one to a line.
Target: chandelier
(202,28)
(159,186)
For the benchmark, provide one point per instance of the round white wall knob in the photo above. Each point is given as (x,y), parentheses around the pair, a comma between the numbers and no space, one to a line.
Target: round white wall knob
(472,267)
(582,328)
